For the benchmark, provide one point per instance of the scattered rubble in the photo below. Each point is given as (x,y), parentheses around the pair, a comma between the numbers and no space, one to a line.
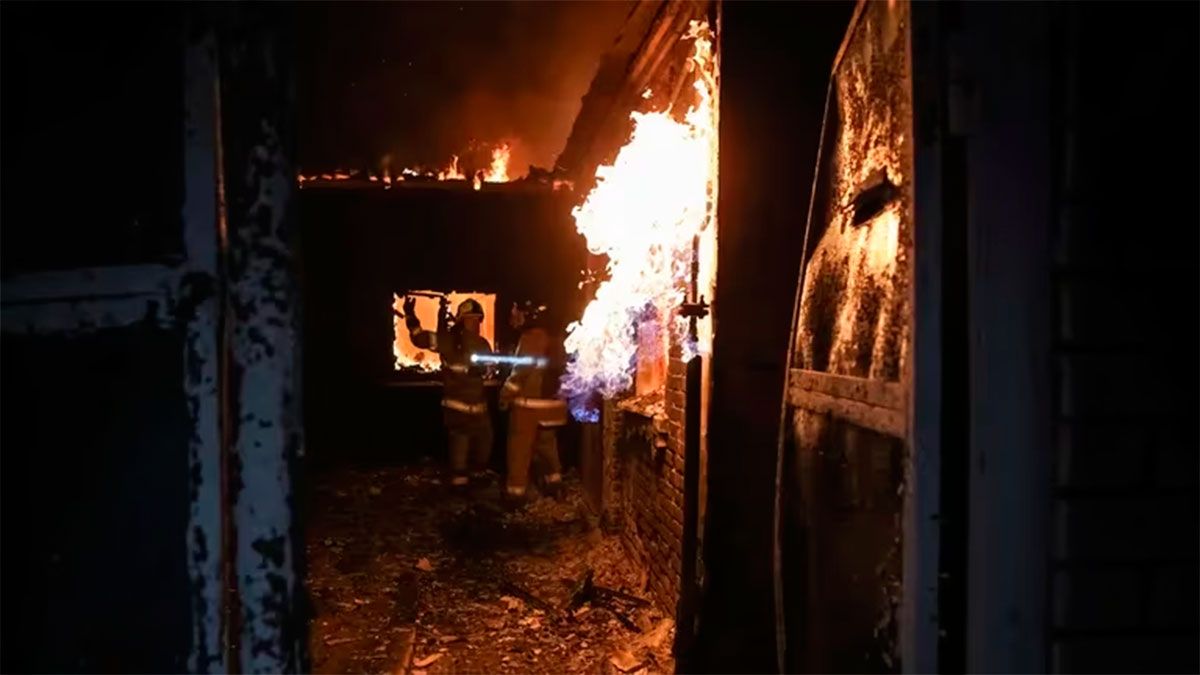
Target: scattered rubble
(428,660)
(454,585)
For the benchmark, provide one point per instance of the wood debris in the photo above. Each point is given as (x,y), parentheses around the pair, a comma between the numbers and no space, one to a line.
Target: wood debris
(494,591)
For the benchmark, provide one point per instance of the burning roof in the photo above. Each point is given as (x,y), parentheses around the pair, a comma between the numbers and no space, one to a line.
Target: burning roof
(647,55)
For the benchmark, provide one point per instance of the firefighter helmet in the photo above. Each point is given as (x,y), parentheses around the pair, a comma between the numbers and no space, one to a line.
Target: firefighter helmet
(530,311)
(469,307)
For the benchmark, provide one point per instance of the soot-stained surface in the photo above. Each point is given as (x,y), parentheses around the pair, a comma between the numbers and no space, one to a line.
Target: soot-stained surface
(405,577)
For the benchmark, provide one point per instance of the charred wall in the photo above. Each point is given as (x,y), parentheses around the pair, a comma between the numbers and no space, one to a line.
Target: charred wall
(360,246)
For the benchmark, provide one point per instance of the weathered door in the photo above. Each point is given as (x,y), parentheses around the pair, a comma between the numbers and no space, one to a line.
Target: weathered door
(150,404)
(848,548)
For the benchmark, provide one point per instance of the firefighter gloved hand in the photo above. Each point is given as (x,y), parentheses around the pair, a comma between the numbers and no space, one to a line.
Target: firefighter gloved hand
(410,313)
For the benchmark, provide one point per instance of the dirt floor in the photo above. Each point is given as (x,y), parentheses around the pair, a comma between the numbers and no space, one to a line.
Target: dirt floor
(406,578)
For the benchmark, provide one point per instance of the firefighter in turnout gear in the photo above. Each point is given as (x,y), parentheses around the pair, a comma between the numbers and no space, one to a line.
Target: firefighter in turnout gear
(530,393)
(464,400)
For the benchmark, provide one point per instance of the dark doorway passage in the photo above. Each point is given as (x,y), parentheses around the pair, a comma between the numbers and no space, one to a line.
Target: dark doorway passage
(405,577)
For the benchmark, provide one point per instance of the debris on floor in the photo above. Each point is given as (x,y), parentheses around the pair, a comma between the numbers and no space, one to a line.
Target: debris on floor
(405,577)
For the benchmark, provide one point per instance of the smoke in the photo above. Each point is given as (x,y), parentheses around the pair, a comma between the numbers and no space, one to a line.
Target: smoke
(419,82)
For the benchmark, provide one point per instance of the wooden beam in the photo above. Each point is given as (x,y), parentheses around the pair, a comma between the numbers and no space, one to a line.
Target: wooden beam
(874,393)
(884,420)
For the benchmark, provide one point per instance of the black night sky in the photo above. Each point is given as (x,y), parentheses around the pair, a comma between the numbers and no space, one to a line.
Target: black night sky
(420,81)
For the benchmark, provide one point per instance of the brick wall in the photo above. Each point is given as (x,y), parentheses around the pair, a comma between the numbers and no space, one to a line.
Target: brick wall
(643,446)
(1124,538)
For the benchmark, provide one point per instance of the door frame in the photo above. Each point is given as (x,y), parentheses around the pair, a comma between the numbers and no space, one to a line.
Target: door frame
(243,399)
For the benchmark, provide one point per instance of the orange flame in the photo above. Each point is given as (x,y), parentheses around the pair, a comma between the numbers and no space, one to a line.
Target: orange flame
(498,171)
(644,214)
(451,172)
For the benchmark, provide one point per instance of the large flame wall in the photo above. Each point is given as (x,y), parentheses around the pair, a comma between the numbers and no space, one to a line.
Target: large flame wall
(644,214)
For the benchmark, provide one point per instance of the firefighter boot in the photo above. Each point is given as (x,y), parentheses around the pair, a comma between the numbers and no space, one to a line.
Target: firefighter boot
(546,451)
(513,499)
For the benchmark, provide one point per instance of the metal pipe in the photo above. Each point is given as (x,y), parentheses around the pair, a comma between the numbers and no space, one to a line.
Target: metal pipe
(696,308)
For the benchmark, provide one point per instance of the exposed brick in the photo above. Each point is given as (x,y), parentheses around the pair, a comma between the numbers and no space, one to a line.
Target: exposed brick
(677,368)
(1104,598)
(675,398)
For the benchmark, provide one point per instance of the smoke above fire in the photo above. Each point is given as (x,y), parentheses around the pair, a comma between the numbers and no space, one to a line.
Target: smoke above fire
(414,84)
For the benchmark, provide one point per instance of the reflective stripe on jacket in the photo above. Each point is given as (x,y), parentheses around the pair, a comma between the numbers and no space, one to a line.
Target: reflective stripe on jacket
(462,406)
(533,382)
(461,382)
(539,403)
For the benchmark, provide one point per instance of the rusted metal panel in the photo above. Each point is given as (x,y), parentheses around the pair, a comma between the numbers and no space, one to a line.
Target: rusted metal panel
(201,311)
(257,142)
(874,393)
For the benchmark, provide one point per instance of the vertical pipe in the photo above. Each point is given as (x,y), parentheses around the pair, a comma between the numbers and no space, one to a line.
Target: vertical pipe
(686,630)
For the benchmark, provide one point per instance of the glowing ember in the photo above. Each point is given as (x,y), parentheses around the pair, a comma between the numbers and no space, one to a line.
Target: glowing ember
(643,214)
(496,172)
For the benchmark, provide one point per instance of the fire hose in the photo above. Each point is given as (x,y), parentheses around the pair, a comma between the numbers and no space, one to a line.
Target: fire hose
(509,360)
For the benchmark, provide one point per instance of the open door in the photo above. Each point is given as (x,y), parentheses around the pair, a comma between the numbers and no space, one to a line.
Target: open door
(857,546)
(135,498)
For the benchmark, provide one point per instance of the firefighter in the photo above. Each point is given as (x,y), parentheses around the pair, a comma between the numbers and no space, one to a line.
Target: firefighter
(530,392)
(464,401)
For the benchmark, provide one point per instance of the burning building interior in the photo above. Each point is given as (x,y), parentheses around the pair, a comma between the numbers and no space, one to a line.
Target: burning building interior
(605,337)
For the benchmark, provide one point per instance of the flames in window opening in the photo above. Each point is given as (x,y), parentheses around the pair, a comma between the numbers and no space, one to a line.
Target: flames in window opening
(643,214)
(410,357)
